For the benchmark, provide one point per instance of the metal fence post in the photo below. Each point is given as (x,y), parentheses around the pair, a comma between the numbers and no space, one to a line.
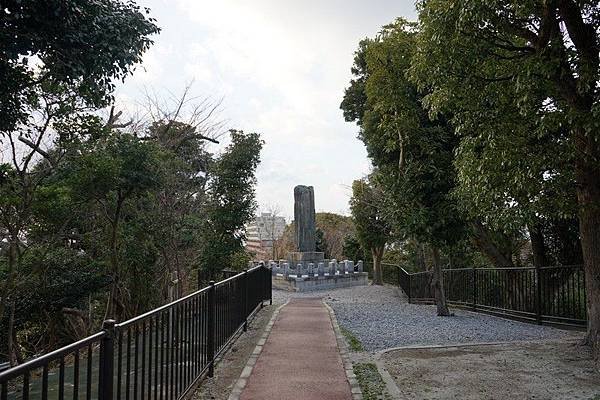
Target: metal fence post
(107,362)
(270,286)
(245,298)
(262,284)
(474,288)
(538,294)
(211,329)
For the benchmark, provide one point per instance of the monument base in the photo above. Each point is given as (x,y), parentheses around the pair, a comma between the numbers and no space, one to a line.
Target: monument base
(306,284)
(305,257)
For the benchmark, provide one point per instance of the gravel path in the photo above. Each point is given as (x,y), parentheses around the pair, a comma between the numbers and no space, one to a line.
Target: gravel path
(380,319)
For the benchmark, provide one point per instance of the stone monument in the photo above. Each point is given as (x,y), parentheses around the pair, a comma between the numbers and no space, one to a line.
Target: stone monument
(306,269)
(305,234)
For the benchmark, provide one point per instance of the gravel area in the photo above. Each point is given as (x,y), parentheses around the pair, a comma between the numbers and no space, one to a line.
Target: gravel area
(381,319)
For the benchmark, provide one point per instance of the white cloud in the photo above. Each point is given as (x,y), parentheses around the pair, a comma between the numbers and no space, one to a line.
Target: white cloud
(281,67)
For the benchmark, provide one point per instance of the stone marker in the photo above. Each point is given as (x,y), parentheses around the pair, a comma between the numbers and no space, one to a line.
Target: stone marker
(304,218)
(321,269)
(349,266)
(299,270)
(286,270)
(311,270)
(332,267)
(359,266)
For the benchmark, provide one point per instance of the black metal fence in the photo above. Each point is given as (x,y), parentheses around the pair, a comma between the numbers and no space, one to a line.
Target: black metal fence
(554,295)
(160,355)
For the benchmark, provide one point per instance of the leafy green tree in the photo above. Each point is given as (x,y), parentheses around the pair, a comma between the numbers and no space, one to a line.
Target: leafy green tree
(58,64)
(230,203)
(412,153)
(334,228)
(372,229)
(352,248)
(321,242)
(108,177)
(177,206)
(78,44)
(541,58)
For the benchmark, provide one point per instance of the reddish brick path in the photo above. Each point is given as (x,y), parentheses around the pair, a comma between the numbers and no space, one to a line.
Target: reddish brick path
(300,359)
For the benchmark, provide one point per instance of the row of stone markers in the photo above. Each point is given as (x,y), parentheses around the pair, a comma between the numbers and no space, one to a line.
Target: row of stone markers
(284,268)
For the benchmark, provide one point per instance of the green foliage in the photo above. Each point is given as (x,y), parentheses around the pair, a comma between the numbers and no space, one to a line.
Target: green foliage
(230,201)
(334,228)
(88,214)
(353,343)
(78,44)
(511,93)
(413,154)
(321,243)
(372,228)
(352,248)
(370,381)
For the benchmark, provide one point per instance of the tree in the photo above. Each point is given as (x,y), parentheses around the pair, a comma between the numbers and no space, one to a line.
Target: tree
(352,248)
(541,58)
(285,244)
(412,153)
(334,228)
(230,203)
(108,177)
(272,228)
(181,127)
(78,44)
(372,229)
(58,64)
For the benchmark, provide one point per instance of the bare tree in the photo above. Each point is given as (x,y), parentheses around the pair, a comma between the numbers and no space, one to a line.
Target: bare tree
(200,113)
(271,228)
(181,124)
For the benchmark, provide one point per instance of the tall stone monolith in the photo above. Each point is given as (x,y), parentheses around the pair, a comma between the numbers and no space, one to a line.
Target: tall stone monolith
(305,234)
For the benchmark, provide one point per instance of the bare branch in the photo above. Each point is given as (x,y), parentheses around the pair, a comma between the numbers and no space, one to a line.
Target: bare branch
(37,149)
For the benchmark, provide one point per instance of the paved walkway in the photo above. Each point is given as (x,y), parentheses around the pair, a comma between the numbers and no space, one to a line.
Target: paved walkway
(300,359)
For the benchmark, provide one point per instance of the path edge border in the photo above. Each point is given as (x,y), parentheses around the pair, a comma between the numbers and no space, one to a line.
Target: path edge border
(343,349)
(240,384)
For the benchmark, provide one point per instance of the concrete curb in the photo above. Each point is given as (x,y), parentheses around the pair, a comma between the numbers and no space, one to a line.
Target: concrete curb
(343,349)
(240,384)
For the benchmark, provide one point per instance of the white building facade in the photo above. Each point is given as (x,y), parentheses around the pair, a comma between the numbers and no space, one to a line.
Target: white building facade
(262,233)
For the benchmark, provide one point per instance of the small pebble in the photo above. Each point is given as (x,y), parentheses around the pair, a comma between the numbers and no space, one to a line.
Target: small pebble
(381,319)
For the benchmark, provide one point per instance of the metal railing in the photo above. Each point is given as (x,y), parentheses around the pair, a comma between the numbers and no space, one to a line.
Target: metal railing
(160,355)
(552,295)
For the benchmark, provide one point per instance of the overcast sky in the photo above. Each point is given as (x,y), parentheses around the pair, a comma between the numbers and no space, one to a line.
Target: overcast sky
(280,67)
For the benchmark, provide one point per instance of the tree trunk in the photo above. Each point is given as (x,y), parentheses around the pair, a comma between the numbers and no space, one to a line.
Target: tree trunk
(483,240)
(421,256)
(377,254)
(14,353)
(587,174)
(537,245)
(114,308)
(437,284)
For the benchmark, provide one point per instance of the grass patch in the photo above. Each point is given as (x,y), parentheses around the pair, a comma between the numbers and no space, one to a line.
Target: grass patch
(353,342)
(371,383)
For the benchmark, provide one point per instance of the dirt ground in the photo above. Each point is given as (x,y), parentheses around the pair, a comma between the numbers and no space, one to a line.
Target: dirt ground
(229,368)
(544,370)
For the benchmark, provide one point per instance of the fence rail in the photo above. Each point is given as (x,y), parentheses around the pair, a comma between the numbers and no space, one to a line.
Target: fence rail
(551,295)
(159,355)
